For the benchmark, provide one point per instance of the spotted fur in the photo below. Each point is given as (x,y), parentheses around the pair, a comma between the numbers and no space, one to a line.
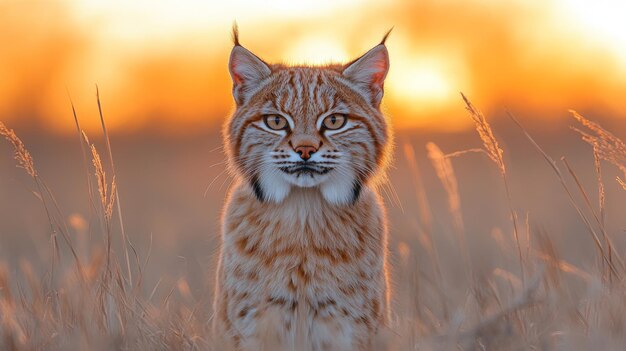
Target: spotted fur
(303,260)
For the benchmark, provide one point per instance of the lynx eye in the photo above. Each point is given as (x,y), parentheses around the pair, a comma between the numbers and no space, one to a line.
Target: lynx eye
(335,121)
(275,122)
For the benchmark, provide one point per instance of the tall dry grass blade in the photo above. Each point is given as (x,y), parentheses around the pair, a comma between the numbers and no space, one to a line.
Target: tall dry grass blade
(62,226)
(420,193)
(125,241)
(464,152)
(81,138)
(547,249)
(103,186)
(559,175)
(496,154)
(103,190)
(25,161)
(485,132)
(445,173)
(111,200)
(601,191)
(527,298)
(22,156)
(610,247)
(426,220)
(565,266)
(608,147)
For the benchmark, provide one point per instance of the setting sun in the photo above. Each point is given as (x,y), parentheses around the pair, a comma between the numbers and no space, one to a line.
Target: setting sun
(164,64)
(421,80)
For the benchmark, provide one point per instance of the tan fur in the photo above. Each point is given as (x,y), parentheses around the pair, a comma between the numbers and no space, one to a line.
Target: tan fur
(303,261)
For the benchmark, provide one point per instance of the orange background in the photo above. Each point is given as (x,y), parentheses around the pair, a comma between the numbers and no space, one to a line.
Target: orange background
(162,66)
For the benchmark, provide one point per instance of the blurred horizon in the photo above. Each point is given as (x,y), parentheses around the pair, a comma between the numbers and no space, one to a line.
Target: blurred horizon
(162,67)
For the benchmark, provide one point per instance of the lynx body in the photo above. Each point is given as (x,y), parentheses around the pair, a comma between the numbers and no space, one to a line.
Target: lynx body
(303,259)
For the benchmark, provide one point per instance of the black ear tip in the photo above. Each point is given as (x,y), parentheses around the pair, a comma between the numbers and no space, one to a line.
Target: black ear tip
(382,42)
(236,34)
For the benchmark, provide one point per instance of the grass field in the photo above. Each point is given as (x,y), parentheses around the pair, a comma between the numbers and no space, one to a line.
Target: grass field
(511,238)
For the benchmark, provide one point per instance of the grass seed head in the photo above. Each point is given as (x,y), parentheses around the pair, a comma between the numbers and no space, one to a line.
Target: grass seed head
(490,143)
(22,156)
(606,145)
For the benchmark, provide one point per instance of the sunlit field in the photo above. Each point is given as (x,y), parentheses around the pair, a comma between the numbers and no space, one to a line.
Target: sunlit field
(506,204)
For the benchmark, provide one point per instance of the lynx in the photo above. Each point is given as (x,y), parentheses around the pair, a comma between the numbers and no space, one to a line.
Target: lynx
(303,259)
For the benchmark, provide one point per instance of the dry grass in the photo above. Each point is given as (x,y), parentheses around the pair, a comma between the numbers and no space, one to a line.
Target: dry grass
(95,298)
(443,167)
(605,259)
(22,156)
(490,143)
(606,146)
(445,172)
(492,149)
(92,305)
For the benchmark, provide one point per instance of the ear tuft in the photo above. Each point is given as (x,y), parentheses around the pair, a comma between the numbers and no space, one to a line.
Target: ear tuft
(236,34)
(369,71)
(382,42)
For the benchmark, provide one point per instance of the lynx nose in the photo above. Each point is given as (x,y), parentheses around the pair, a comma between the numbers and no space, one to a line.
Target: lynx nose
(305,151)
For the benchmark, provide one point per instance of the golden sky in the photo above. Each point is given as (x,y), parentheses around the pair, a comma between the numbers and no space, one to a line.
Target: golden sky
(162,65)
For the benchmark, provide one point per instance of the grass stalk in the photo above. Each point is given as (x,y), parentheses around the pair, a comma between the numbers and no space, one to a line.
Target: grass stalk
(496,154)
(559,175)
(107,140)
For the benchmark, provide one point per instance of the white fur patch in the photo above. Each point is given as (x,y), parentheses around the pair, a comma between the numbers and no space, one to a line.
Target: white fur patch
(273,186)
(338,189)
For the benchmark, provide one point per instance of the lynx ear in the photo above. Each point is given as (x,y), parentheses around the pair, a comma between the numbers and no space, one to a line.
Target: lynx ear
(368,72)
(246,70)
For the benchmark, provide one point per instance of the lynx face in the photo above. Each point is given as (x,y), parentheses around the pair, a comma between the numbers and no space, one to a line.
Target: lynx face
(308,126)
